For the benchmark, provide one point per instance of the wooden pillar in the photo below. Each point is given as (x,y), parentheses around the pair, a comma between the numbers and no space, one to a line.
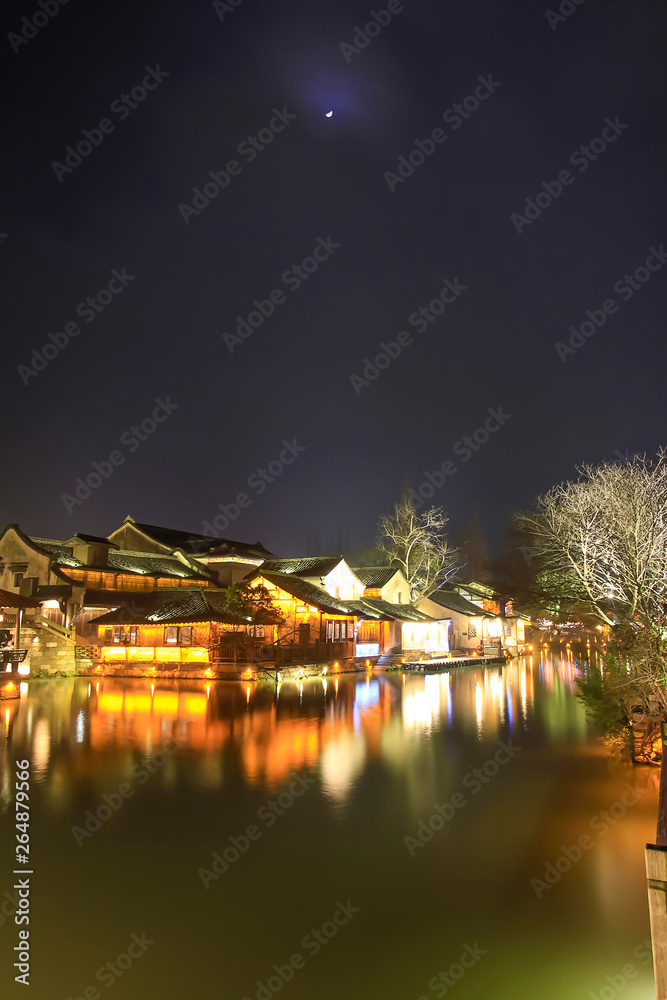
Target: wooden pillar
(17,630)
(656,875)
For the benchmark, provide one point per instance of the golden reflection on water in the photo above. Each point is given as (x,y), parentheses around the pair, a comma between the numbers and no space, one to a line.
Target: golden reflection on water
(274,730)
(384,749)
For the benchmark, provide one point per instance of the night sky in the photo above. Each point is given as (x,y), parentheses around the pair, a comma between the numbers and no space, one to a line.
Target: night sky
(219,76)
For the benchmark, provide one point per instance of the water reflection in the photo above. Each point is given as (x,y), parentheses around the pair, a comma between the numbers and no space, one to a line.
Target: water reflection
(267,731)
(383,749)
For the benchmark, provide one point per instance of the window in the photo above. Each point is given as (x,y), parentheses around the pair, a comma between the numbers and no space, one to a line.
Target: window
(118,634)
(171,635)
(369,631)
(472,631)
(507,630)
(18,577)
(54,615)
(131,635)
(186,635)
(399,597)
(350,630)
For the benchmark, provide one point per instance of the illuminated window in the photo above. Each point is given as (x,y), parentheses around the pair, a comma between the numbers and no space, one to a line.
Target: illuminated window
(472,631)
(507,630)
(131,635)
(171,635)
(186,635)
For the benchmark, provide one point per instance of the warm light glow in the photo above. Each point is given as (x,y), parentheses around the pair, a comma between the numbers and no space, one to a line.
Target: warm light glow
(166,703)
(23,669)
(194,653)
(113,653)
(194,704)
(111,702)
(140,653)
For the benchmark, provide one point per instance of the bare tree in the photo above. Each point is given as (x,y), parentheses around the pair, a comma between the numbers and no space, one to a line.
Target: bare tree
(603,538)
(418,545)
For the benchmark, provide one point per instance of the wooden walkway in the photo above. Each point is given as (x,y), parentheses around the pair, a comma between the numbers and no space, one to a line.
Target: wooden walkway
(446,663)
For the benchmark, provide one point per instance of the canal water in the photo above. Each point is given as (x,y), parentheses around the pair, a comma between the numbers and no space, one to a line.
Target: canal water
(391,836)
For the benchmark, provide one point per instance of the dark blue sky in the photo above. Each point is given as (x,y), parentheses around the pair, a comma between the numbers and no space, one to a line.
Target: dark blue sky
(161,335)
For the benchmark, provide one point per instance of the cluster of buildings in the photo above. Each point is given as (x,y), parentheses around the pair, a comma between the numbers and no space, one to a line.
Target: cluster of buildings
(146,597)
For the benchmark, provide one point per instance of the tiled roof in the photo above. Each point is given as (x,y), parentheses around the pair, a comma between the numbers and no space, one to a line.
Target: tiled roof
(153,564)
(192,541)
(451,601)
(392,612)
(307,592)
(182,605)
(63,552)
(375,576)
(307,566)
(10,600)
(93,538)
